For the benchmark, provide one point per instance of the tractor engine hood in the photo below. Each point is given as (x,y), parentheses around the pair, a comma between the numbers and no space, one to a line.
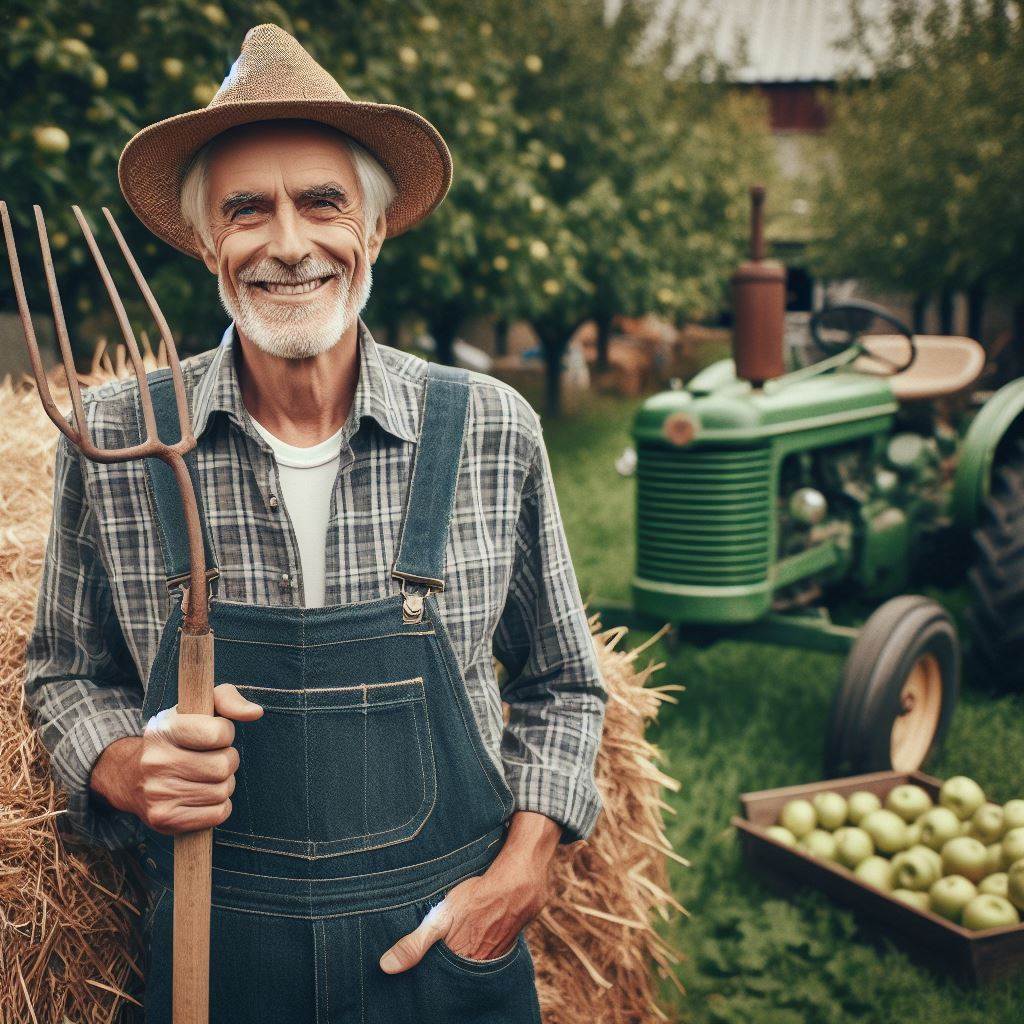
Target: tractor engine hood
(716,406)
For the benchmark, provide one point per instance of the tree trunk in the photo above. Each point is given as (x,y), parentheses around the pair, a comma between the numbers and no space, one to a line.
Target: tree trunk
(920,308)
(443,325)
(553,340)
(946,311)
(604,331)
(976,310)
(501,337)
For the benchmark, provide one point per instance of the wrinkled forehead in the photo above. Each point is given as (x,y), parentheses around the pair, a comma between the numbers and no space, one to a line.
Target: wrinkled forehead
(273,156)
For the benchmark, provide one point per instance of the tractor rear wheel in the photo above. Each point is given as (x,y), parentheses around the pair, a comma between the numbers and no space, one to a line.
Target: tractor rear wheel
(898,692)
(996,612)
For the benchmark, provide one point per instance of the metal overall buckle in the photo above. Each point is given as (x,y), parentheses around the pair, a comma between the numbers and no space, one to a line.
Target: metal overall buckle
(412,604)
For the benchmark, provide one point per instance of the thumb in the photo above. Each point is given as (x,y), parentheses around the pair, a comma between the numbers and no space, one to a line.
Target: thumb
(409,949)
(229,703)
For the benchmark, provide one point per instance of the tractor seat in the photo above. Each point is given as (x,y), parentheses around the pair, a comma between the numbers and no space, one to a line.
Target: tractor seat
(945,364)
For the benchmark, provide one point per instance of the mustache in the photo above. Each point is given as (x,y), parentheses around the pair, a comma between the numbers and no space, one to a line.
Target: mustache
(275,273)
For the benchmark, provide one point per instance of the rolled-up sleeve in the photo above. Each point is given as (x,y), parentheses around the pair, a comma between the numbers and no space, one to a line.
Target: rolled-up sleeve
(555,693)
(81,688)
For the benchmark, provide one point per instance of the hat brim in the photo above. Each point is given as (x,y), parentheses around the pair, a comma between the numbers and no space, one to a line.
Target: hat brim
(408,147)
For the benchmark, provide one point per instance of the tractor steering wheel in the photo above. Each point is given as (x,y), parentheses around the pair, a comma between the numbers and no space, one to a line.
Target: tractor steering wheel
(836,328)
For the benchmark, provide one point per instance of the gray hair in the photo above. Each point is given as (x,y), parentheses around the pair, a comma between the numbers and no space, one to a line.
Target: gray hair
(375,183)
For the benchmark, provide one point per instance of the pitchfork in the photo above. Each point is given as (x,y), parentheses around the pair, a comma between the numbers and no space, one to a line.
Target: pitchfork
(192,850)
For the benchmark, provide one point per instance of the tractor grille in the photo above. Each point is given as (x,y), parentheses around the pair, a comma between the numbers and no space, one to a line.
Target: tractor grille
(703,515)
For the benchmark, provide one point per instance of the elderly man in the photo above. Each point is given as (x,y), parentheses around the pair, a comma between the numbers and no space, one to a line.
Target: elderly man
(379,528)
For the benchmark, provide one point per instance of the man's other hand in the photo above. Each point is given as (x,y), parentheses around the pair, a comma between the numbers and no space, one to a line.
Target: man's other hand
(481,917)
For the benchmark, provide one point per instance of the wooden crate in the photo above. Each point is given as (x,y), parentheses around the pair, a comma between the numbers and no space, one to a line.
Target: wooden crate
(975,957)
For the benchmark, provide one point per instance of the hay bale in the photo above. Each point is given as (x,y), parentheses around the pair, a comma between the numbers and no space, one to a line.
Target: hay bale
(69,913)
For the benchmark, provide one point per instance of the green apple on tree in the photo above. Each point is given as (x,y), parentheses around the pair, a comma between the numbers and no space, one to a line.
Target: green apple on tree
(965,856)
(1013,814)
(860,804)
(963,796)
(987,823)
(887,829)
(988,911)
(799,817)
(1013,846)
(938,826)
(820,843)
(918,900)
(908,801)
(1015,884)
(948,896)
(915,869)
(853,845)
(782,835)
(876,871)
(831,809)
(997,884)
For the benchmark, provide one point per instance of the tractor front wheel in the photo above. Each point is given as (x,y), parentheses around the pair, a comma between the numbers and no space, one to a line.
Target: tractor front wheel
(898,692)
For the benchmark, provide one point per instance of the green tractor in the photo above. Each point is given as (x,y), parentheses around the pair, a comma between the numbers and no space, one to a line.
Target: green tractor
(762,492)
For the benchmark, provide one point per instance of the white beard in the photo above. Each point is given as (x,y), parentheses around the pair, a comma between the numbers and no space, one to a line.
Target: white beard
(298,330)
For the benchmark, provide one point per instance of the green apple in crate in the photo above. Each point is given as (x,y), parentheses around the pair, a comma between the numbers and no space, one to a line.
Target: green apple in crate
(916,869)
(918,900)
(987,911)
(963,796)
(1013,847)
(831,810)
(1015,884)
(876,871)
(995,858)
(965,856)
(861,804)
(820,843)
(1013,814)
(853,846)
(948,896)
(996,885)
(799,816)
(887,829)
(783,835)
(987,824)
(908,801)
(938,826)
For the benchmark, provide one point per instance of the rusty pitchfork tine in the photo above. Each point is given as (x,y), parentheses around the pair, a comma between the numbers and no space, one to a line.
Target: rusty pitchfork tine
(193,851)
(197,616)
(38,370)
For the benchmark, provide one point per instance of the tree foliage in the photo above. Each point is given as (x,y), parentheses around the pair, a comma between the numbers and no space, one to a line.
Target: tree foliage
(586,181)
(922,190)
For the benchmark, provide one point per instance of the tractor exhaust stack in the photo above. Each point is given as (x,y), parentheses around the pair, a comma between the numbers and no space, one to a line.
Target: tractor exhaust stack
(759,306)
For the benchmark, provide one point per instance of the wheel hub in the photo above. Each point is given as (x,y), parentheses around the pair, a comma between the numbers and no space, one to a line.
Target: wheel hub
(918,720)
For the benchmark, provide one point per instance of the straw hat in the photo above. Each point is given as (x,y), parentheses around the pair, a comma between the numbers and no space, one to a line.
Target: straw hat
(274,77)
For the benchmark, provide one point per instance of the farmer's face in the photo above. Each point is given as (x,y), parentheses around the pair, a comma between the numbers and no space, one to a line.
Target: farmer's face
(290,251)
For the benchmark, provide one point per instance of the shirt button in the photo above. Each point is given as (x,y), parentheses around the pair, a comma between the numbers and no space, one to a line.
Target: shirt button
(273,501)
(286,580)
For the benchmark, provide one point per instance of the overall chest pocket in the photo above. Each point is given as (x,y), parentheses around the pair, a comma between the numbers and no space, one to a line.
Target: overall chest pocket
(336,769)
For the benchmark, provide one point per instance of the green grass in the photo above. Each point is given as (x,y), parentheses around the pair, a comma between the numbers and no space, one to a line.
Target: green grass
(752,717)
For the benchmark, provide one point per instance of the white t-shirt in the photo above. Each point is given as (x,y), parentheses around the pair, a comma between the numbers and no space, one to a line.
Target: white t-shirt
(307,479)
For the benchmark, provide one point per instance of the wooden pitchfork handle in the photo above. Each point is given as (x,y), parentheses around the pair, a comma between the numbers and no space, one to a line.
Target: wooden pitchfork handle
(193,851)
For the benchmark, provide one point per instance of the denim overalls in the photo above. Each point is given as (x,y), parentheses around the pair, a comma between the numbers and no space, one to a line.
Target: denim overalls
(363,794)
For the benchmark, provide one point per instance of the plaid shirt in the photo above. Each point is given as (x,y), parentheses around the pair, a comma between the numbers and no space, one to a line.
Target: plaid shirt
(511,593)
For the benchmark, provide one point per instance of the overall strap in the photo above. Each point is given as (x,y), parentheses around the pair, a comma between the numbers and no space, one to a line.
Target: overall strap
(170,513)
(430,497)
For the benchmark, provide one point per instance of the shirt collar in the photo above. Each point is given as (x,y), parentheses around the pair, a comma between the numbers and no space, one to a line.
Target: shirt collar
(218,389)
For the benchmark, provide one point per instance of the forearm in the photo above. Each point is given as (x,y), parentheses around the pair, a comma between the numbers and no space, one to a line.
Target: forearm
(530,844)
(113,778)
